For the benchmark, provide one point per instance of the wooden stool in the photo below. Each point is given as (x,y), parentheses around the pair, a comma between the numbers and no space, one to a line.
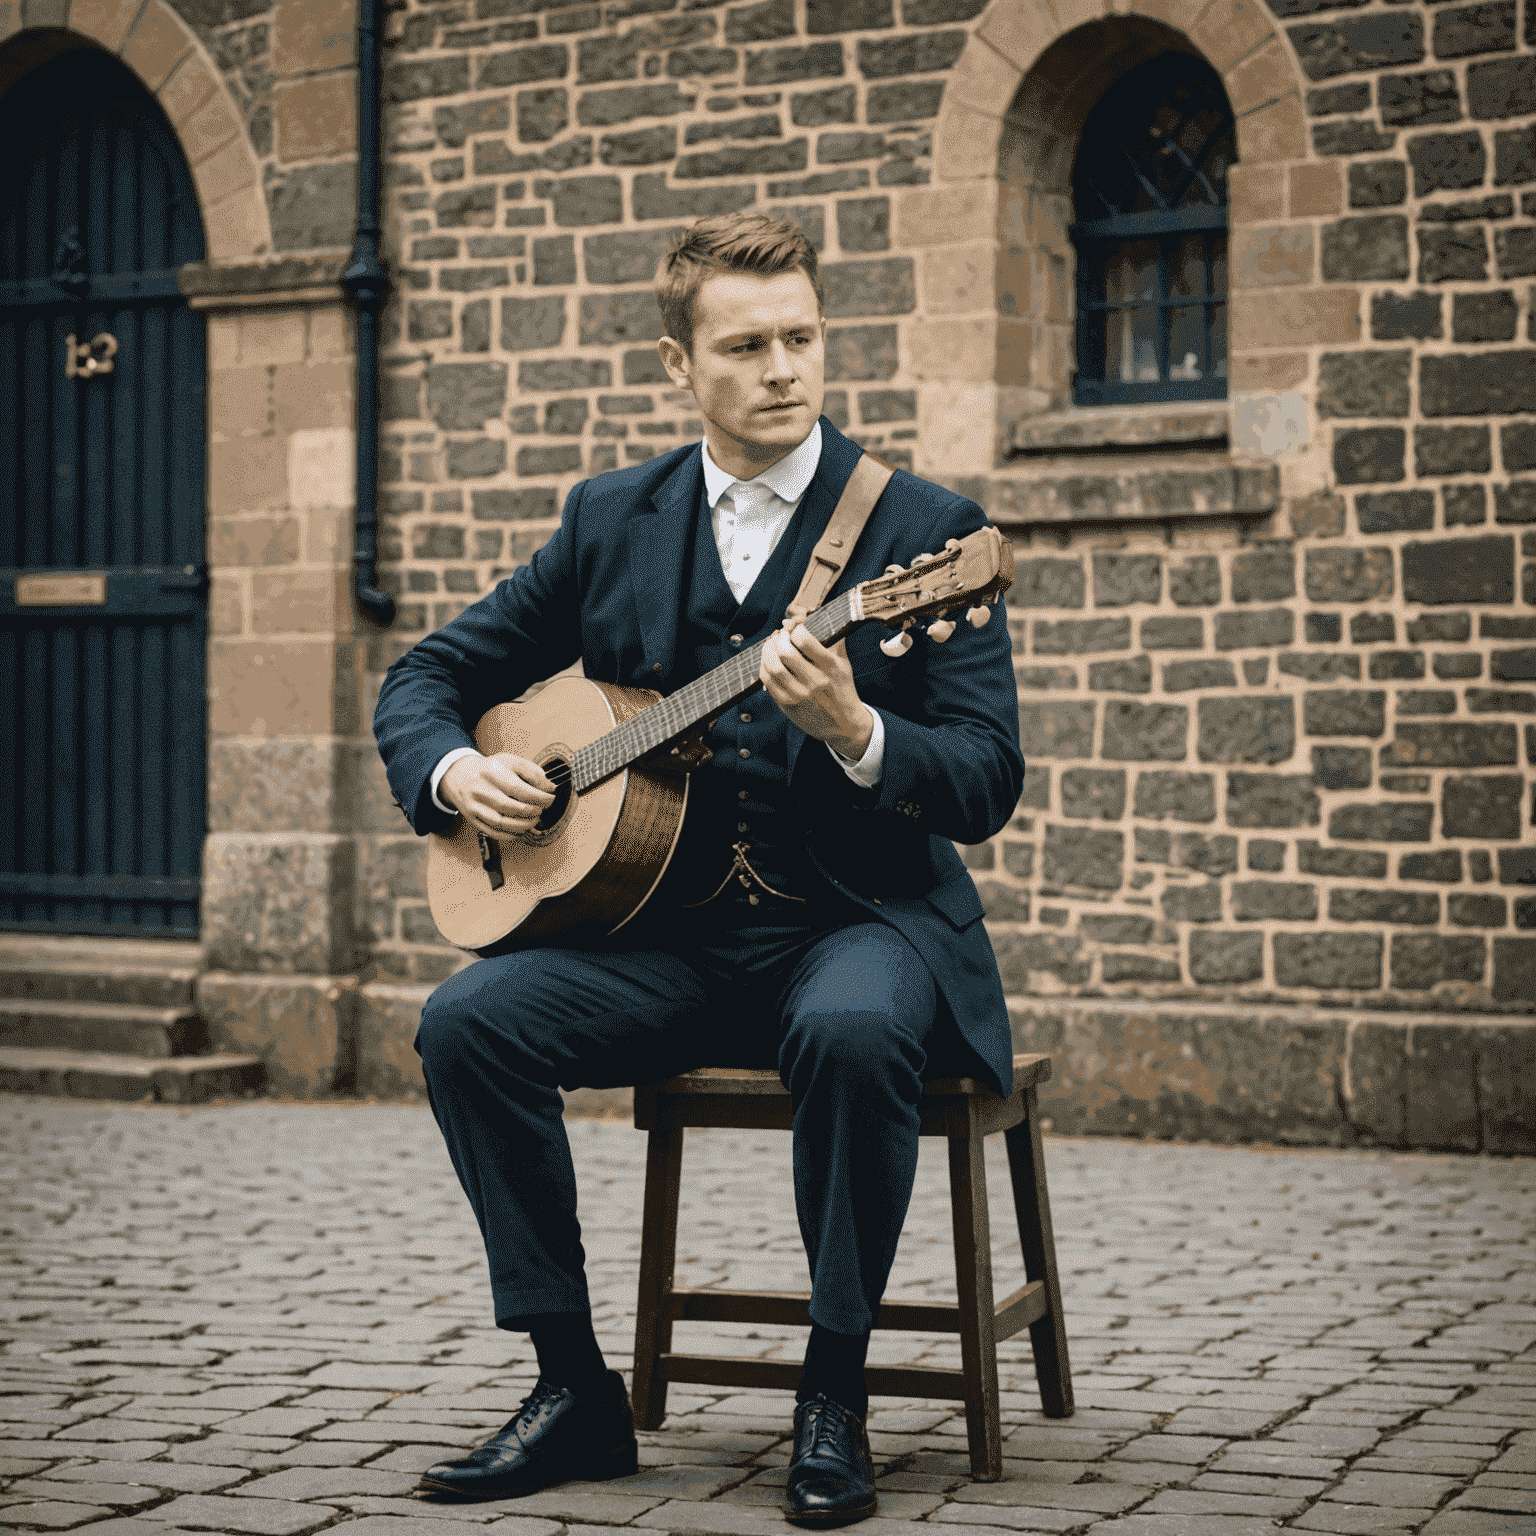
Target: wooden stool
(959,1108)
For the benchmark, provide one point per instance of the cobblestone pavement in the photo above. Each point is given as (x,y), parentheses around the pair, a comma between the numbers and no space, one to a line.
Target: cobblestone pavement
(268,1318)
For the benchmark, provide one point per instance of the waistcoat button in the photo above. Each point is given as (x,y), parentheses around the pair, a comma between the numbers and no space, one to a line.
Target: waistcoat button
(736,639)
(746,719)
(743,752)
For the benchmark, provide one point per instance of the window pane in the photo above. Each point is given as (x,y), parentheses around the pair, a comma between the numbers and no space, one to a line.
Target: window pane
(1131,272)
(1219,341)
(1219,264)
(1186,342)
(1132,346)
(1186,268)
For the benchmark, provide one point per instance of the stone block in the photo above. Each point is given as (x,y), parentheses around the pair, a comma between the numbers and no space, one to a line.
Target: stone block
(300,1026)
(1348,575)
(312,35)
(268,687)
(1447,161)
(1377,1081)
(1056,730)
(1421,961)
(1170,632)
(1272,800)
(316,115)
(1261,900)
(418,79)
(1515,502)
(313,205)
(1402,822)
(777,66)
(1466,506)
(1246,730)
(1352,136)
(1083,857)
(1218,958)
(1193,903)
(1075,637)
(1464,570)
(1398,317)
(1368,906)
(1181,676)
(1366,383)
(860,352)
(386,1021)
(1456,253)
(279,903)
(104,21)
(1144,732)
(864,224)
(1506,1084)
(1355,864)
(1485,806)
(1314,189)
(1344,712)
(464,396)
(155,44)
(1502,88)
(1181,796)
(1480,317)
(1378,184)
(1463,385)
(1476,911)
(1429,96)
(1130,675)
(1341,767)
(1296,317)
(1327,961)
(1264,574)
(1048,583)
(1093,792)
(1365,248)
(1450,451)
(1249,630)
(1271,256)
(1195,582)
(1368,455)
(279,785)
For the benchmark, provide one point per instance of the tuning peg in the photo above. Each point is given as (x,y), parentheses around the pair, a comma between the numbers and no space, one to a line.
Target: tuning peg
(951,543)
(923,558)
(898,644)
(940,630)
(978,617)
(895,570)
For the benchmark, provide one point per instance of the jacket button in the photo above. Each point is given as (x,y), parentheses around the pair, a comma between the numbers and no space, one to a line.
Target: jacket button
(746,718)
(656,666)
(743,752)
(737,639)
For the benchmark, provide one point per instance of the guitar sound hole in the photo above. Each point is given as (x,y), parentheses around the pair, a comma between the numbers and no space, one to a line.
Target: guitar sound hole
(558,771)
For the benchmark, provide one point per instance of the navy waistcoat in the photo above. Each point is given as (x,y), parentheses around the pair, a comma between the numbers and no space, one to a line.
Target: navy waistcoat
(742,794)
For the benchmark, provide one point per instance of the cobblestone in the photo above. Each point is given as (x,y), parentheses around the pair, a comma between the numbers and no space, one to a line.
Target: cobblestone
(268,1319)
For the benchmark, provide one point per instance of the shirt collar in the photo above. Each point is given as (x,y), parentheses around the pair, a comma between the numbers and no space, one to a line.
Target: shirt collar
(787,478)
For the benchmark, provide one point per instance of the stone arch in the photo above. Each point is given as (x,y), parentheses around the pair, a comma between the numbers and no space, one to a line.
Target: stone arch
(1012,113)
(154,42)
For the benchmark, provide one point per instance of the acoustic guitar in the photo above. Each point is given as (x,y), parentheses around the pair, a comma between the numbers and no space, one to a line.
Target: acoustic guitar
(620,759)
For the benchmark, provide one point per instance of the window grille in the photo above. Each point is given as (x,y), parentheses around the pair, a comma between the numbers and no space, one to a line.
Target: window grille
(1150,196)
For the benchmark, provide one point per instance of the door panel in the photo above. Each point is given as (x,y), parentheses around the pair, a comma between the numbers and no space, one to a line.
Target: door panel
(102,702)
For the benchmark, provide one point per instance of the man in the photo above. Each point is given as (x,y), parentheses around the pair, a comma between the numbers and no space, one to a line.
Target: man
(815,916)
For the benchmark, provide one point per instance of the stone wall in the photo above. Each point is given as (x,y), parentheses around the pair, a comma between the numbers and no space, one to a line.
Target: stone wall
(1274,657)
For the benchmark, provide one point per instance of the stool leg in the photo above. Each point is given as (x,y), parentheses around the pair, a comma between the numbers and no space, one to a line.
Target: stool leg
(658,1260)
(1032,1206)
(973,1282)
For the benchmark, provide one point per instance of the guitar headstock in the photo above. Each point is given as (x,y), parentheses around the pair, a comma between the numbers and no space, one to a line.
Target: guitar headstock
(967,573)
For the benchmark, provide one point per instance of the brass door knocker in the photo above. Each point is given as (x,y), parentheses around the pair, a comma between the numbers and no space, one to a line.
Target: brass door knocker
(84,358)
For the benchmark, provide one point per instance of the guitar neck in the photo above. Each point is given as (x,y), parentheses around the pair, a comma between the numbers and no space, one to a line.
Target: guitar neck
(700,700)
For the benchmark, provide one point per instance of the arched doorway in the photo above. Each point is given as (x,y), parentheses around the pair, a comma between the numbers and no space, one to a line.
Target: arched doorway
(102,451)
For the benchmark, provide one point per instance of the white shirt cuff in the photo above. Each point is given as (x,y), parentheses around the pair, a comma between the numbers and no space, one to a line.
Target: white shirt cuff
(866,772)
(447,762)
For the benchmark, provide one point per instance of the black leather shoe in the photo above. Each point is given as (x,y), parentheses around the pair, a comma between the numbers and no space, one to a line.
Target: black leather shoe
(554,1437)
(831,1474)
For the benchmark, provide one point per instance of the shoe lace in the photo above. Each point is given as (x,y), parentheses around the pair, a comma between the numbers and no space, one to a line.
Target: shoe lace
(822,1418)
(529,1408)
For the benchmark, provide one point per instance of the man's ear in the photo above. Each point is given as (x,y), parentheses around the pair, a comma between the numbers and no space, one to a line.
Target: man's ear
(675,359)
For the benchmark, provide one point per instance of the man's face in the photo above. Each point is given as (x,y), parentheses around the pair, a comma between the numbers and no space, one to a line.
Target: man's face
(758,363)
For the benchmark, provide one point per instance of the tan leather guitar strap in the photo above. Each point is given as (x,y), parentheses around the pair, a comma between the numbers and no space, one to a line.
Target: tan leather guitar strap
(835,547)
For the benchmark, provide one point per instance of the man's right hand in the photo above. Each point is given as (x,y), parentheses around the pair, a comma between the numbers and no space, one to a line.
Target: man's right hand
(498,795)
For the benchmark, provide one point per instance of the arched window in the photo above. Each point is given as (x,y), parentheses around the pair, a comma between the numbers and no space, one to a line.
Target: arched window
(1150,192)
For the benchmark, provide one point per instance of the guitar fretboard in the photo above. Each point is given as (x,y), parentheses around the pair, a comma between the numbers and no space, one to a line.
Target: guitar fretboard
(700,700)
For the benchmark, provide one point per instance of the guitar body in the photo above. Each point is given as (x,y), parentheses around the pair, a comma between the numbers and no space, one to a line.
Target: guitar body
(587,872)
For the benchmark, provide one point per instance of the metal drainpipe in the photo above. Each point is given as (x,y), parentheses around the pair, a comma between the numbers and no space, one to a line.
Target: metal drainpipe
(368,283)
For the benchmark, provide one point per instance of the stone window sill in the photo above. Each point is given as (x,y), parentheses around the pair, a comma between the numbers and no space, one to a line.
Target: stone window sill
(1186,426)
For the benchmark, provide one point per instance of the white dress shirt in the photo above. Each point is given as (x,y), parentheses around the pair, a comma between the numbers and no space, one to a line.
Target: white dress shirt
(748,518)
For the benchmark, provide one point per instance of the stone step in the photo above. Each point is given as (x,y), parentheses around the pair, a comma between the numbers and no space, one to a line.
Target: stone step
(129,1029)
(145,972)
(128,1079)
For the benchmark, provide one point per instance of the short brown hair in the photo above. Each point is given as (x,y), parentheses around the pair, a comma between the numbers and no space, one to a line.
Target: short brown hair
(727,242)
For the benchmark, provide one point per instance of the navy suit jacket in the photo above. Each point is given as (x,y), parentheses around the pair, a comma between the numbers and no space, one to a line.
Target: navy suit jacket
(607,589)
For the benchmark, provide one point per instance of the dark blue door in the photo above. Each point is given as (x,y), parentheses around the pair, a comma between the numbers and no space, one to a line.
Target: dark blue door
(102,441)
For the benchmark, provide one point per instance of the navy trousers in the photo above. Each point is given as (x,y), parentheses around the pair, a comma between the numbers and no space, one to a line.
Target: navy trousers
(842,1006)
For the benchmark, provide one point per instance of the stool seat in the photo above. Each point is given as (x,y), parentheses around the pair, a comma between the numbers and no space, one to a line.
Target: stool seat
(961,1109)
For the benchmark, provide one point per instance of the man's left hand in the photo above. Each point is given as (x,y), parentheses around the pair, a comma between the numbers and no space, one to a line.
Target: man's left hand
(813,685)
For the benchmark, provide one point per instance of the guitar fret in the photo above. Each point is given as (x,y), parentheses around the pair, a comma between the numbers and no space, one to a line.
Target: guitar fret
(696,701)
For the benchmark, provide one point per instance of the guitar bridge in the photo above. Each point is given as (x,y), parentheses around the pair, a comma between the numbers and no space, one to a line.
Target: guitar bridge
(490,861)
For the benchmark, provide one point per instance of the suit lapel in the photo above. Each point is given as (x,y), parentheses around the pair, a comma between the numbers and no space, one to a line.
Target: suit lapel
(658,547)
